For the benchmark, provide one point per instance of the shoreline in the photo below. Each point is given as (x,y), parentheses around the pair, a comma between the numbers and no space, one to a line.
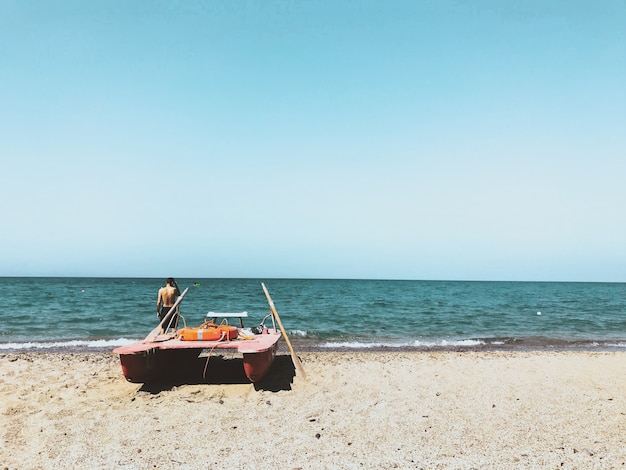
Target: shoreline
(60,347)
(365,409)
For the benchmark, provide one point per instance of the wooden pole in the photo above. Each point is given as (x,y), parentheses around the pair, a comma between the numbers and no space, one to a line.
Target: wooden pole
(154,333)
(294,358)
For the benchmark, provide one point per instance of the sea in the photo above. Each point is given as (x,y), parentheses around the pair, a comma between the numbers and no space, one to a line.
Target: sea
(83,314)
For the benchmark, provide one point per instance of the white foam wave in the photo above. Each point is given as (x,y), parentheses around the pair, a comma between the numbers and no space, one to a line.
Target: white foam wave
(361,345)
(457,343)
(416,343)
(300,333)
(96,343)
(617,345)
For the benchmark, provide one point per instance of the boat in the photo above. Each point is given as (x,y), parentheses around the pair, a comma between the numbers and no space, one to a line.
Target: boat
(163,355)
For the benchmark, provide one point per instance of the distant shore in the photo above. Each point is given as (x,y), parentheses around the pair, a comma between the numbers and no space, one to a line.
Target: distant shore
(497,409)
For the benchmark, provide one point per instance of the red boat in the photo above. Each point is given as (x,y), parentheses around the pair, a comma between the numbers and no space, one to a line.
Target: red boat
(163,356)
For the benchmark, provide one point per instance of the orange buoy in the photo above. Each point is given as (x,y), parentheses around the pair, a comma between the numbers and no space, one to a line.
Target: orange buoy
(230,332)
(212,333)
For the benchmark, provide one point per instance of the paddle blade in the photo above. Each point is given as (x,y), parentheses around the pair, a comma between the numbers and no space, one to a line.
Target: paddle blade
(294,358)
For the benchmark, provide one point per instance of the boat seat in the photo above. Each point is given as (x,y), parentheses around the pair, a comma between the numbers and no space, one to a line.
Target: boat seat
(215,315)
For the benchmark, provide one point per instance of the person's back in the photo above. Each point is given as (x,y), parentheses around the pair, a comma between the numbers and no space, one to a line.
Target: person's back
(166,299)
(167,295)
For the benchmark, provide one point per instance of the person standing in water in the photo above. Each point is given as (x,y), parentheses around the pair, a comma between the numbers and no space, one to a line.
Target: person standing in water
(165,301)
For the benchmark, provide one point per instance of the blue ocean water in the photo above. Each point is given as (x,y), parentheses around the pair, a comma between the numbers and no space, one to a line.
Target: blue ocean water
(43,314)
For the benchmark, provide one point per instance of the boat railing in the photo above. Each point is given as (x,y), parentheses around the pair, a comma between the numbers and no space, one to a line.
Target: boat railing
(215,315)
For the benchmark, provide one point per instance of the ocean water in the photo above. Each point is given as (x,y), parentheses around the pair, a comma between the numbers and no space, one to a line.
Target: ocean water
(96,314)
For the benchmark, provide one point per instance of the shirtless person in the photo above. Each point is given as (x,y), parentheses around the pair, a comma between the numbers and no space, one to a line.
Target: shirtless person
(165,301)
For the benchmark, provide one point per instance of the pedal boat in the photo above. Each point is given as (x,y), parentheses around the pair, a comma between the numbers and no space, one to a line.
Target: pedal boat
(168,355)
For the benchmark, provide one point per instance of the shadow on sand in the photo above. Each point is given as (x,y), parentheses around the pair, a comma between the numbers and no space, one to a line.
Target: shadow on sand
(223,371)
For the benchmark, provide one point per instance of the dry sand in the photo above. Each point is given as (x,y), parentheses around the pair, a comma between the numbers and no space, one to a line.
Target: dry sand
(407,410)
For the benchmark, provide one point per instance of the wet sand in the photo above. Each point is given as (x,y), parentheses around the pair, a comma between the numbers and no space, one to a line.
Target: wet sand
(366,410)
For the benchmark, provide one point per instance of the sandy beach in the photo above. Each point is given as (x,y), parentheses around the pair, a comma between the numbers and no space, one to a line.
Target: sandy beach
(378,410)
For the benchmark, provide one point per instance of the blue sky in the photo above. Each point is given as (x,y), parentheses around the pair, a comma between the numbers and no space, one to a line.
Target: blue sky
(474,140)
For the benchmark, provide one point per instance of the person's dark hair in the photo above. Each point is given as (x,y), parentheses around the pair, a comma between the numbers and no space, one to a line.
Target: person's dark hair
(170,281)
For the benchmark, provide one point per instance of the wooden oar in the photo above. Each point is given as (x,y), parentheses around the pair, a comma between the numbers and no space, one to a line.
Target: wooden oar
(154,333)
(294,358)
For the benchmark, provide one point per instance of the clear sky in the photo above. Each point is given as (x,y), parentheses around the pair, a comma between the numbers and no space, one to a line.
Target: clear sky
(470,140)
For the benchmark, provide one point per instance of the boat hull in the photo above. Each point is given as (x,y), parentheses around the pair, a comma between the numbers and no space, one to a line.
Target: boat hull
(171,358)
(256,365)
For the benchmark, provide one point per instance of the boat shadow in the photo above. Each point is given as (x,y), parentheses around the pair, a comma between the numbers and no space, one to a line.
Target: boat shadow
(225,371)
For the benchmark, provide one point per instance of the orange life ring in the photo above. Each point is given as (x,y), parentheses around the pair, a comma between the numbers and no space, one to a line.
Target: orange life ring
(212,333)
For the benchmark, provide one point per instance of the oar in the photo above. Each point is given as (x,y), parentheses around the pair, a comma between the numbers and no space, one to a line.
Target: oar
(154,333)
(294,358)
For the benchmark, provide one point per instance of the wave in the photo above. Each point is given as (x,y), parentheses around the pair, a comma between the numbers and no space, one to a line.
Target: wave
(446,344)
(362,345)
(414,344)
(300,333)
(98,345)
(69,344)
